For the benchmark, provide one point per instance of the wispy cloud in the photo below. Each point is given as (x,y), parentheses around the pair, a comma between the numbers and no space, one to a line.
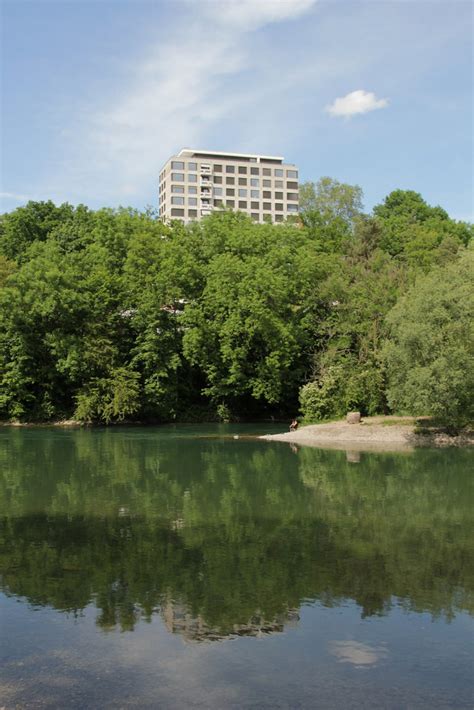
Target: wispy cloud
(251,14)
(13,196)
(356,102)
(178,91)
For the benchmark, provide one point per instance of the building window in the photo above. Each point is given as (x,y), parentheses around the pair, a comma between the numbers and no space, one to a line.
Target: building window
(192,213)
(230,181)
(177,200)
(230,169)
(177,188)
(242,181)
(292,208)
(192,177)
(218,203)
(278,207)
(267,195)
(218,191)
(278,183)
(254,171)
(292,196)
(242,205)
(242,170)
(278,172)
(278,195)
(292,185)
(217,168)
(192,166)
(242,193)
(230,192)
(254,182)
(177,177)
(177,165)
(255,205)
(267,218)
(255,216)
(267,205)
(192,201)
(230,203)
(217,179)
(278,218)
(266,171)
(175,212)
(292,174)
(255,193)
(192,190)
(266,183)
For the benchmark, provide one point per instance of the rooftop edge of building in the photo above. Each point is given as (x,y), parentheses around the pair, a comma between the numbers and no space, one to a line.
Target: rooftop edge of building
(194,152)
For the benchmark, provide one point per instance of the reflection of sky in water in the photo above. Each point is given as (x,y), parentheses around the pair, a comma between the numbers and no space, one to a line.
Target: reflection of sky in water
(60,662)
(358,654)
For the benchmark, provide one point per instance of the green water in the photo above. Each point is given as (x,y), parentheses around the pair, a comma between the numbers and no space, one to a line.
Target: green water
(180,567)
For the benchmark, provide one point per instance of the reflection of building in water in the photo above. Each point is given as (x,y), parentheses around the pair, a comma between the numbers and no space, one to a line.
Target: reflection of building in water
(179,620)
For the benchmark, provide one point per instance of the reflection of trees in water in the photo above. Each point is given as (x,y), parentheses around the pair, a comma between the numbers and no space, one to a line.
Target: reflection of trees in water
(232,536)
(133,567)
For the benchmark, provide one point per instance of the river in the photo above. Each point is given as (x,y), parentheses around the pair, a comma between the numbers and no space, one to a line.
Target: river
(182,567)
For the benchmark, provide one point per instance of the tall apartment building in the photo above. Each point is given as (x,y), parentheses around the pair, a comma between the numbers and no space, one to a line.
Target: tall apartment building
(196,182)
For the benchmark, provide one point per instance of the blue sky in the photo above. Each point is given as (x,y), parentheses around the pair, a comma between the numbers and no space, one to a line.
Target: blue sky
(97,95)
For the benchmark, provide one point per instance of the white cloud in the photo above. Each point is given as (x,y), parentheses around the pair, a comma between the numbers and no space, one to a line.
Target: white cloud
(252,14)
(359,101)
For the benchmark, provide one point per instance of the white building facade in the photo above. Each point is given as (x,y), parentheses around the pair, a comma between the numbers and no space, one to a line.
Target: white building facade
(194,183)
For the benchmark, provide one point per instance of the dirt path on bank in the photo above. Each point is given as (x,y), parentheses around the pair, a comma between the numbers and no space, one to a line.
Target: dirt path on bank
(389,433)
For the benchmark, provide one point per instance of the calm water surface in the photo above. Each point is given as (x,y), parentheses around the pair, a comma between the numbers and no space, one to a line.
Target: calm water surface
(178,567)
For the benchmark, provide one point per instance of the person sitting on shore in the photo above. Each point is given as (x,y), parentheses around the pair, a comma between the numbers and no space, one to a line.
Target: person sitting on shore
(294,425)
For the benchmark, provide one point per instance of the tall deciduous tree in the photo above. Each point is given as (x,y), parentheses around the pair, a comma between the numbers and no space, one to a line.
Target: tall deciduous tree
(430,352)
(420,234)
(331,199)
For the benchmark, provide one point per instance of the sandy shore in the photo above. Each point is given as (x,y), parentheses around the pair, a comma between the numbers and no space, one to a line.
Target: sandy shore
(384,433)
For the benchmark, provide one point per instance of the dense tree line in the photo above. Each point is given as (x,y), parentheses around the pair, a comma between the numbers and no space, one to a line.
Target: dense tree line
(110,314)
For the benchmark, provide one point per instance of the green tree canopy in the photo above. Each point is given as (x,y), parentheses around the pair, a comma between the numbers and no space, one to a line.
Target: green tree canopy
(418,233)
(331,199)
(109,314)
(430,352)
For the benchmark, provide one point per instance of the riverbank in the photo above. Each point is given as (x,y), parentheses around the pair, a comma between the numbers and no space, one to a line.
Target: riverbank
(374,433)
